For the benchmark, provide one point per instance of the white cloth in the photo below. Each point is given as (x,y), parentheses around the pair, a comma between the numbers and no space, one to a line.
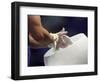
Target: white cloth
(75,53)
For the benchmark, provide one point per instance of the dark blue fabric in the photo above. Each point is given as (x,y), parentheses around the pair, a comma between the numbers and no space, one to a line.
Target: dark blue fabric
(53,23)
(75,25)
(29,56)
(36,56)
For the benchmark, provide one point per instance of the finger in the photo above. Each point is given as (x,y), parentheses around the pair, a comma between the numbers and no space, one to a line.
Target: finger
(38,37)
(62,33)
(51,38)
(33,42)
(63,29)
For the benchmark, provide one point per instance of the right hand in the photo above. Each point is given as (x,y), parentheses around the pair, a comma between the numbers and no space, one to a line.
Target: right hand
(41,37)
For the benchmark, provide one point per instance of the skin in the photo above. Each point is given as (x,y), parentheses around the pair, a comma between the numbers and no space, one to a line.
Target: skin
(38,36)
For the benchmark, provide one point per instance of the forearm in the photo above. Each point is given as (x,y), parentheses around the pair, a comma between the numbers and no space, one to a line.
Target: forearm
(34,22)
(35,27)
(39,34)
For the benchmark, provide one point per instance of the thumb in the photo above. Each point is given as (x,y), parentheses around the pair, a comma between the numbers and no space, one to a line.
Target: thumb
(63,29)
(48,36)
(62,32)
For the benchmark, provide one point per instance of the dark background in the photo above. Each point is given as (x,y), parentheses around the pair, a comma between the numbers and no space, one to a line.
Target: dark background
(73,25)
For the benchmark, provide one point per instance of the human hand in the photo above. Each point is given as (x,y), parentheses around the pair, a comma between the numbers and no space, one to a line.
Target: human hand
(59,39)
(63,40)
(41,37)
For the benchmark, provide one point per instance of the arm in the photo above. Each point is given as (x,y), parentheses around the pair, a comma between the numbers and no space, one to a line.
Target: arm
(35,27)
(37,32)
